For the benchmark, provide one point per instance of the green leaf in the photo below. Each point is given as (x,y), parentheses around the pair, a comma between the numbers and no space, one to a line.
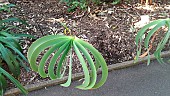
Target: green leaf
(139,49)
(97,64)
(100,58)
(11,42)
(13,19)
(39,46)
(47,55)
(63,57)
(3,84)
(6,57)
(39,42)
(151,32)
(22,64)
(4,33)
(68,82)
(84,66)
(3,81)
(10,5)
(143,30)
(162,44)
(64,47)
(6,7)
(115,2)
(139,35)
(158,24)
(17,51)
(17,83)
(15,63)
(91,63)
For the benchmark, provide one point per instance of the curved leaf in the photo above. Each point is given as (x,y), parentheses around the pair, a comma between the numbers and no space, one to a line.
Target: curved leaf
(100,58)
(84,66)
(143,30)
(91,63)
(162,44)
(39,42)
(158,24)
(17,83)
(5,56)
(46,56)
(35,51)
(53,60)
(68,82)
(64,55)
(151,32)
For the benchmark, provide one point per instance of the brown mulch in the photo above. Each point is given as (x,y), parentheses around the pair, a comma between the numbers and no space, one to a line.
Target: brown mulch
(109,28)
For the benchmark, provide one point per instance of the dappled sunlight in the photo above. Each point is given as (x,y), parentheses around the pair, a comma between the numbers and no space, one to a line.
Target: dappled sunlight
(155,11)
(146,7)
(145,19)
(154,7)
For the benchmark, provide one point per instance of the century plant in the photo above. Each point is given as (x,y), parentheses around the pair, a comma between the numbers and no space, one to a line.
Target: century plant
(58,50)
(10,51)
(149,39)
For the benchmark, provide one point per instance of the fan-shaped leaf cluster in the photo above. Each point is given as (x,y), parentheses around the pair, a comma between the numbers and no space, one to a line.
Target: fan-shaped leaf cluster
(62,47)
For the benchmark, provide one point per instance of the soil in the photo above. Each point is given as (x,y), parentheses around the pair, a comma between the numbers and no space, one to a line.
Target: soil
(109,28)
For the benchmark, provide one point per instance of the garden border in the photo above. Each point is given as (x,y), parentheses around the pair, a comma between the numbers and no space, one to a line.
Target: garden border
(40,85)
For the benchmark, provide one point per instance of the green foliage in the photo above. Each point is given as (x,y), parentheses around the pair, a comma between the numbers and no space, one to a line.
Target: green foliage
(6,7)
(10,50)
(157,25)
(82,4)
(62,47)
(10,45)
(116,2)
(3,82)
(74,4)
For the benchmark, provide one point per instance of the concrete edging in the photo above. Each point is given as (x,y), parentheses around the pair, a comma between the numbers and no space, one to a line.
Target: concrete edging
(33,87)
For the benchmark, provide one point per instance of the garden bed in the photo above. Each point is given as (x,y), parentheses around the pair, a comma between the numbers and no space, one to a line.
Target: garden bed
(109,28)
